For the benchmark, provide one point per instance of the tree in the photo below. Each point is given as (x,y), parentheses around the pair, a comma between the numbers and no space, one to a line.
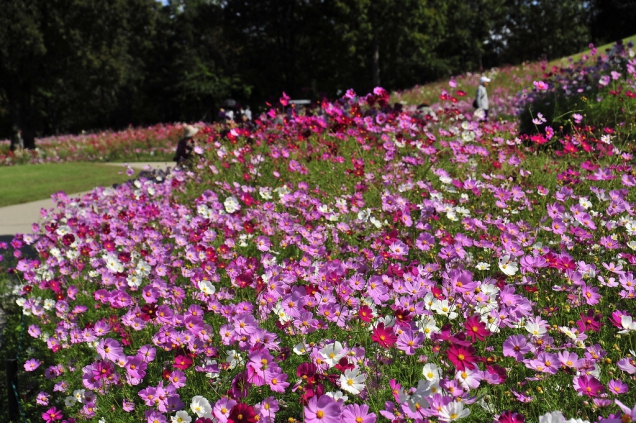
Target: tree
(548,29)
(66,63)
(21,50)
(200,70)
(613,20)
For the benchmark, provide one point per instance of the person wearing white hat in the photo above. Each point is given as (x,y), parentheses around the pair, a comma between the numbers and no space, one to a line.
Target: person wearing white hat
(186,144)
(481,98)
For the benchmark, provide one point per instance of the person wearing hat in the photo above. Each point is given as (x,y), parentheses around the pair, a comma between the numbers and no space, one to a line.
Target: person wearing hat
(186,144)
(481,99)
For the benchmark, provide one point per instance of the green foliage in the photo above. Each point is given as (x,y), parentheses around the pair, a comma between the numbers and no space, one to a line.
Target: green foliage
(546,29)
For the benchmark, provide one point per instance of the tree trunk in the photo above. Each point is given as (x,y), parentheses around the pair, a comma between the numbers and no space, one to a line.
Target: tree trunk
(29,137)
(22,122)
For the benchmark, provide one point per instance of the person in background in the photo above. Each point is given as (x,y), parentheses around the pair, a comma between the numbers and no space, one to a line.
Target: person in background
(186,144)
(17,143)
(481,99)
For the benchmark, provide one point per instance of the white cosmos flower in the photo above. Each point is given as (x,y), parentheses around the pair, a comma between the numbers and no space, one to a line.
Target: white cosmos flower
(568,332)
(427,325)
(233,359)
(553,417)
(143,268)
(508,266)
(282,316)
(416,400)
(200,406)
(453,411)
(364,215)
(300,349)
(352,381)
(332,353)
(181,417)
(536,329)
(585,203)
(79,395)
(431,372)
(482,266)
(231,205)
(468,136)
(632,245)
(113,264)
(443,307)
(265,192)
(70,401)
(375,222)
(133,281)
(207,288)
(337,396)
(628,323)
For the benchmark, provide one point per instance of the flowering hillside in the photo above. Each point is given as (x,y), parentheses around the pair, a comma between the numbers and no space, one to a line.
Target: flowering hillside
(362,264)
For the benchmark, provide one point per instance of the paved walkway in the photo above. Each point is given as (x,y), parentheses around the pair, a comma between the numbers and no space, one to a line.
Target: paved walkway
(19,218)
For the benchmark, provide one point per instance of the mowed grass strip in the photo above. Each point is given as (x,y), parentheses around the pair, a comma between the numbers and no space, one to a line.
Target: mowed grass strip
(25,183)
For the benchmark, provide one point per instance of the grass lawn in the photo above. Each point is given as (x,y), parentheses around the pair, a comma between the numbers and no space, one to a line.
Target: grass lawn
(21,184)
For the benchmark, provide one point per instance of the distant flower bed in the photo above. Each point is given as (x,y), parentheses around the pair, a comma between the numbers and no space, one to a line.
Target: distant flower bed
(587,104)
(357,264)
(154,143)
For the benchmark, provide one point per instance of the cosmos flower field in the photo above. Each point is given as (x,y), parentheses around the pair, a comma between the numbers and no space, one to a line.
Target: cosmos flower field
(133,144)
(362,264)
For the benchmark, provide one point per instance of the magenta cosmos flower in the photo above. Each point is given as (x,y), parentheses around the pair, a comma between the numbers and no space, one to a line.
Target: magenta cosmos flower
(52,414)
(476,329)
(462,357)
(588,385)
(322,410)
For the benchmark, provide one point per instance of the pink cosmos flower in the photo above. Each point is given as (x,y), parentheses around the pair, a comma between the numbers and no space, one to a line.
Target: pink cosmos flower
(590,294)
(276,379)
(322,410)
(43,398)
(177,379)
(625,409)
(32,364)
(284,100)
(410,341)
(516,346)
(109,349)
(617,387)
(355,413)
(569,359)
(222,409)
